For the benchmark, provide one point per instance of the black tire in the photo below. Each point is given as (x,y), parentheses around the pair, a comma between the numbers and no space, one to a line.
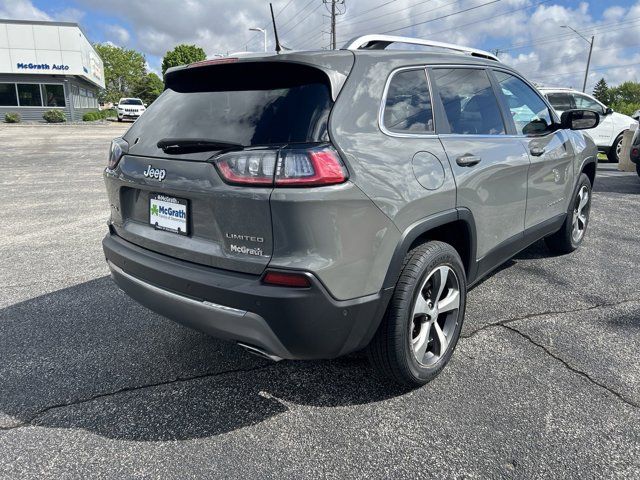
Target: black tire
(391,351)
(612,154)
(638,168)
(563,241)
(119,119)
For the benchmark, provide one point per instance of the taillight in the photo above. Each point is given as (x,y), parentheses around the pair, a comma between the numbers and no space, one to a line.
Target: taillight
(248,167)
(288,167)
(634,152)
(312,167)
(286,279)
(119,147)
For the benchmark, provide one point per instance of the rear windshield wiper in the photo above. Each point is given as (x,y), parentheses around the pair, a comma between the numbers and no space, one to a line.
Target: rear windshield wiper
(185,145)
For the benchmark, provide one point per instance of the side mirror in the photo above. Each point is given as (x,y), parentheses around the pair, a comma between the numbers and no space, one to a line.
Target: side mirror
(608,111)
(579,119)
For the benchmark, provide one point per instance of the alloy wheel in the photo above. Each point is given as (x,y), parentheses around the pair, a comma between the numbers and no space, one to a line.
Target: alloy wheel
(580,214)
(435,315)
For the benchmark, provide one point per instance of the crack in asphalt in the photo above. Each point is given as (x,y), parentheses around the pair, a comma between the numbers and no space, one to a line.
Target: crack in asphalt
(571,368)
(44,411)
(504,323)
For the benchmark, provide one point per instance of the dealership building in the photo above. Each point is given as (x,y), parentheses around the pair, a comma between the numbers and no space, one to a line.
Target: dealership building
(47,65)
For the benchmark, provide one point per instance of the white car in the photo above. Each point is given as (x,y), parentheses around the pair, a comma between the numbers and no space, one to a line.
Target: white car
(130,108)
(608,134)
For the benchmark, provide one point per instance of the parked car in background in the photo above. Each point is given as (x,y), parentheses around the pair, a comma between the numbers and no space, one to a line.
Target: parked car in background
(608,134)
(130,108)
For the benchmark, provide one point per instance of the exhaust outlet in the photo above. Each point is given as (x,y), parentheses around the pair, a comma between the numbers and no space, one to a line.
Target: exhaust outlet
(259,352)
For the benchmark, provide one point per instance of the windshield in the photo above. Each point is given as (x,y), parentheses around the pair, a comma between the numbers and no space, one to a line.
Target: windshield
(263,111)
(131,101)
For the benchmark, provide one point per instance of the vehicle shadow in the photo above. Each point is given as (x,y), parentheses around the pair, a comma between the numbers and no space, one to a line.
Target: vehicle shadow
(87,357)
(622,184)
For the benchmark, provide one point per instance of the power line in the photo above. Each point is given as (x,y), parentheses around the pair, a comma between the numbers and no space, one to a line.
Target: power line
(395,12)
(444,16)
(371,10)
(436,18)
(394,22)
(554,38)
(283,8)
(304,20)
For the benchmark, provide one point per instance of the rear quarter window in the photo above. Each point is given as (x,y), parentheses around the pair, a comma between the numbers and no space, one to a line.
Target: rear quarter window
(407,107)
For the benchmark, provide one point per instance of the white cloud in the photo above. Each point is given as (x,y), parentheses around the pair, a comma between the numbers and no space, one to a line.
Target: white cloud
(528,32)
(118,34)
(21,10)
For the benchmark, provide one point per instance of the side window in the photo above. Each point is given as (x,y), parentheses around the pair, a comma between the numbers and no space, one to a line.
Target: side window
(469,101)
(529,112)
(407,107)
(583,101)
(561,101)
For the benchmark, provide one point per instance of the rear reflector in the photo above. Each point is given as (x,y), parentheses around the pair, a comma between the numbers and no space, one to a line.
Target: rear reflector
(297,167)
(286,279)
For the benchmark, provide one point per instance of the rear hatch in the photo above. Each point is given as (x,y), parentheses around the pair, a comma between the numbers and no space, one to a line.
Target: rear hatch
(174,197)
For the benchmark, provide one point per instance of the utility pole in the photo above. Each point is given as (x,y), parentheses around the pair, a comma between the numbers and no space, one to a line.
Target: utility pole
(590,42)
(334,13)
(333,24)
(586,73)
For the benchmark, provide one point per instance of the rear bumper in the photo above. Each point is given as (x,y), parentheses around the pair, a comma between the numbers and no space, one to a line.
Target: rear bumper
(286,322)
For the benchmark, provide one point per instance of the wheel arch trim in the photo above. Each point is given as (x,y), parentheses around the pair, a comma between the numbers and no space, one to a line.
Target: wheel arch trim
(421,228)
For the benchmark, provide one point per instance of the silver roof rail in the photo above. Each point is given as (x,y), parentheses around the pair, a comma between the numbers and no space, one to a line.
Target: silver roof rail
(380,42)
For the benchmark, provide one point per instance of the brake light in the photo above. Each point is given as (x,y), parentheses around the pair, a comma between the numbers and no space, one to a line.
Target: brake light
(286,279)
(213,61)
(119,147)
(634,152)
(284,168)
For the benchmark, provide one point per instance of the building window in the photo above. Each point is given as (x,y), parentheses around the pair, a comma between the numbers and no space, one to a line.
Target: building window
(8,96)
(54,95)
(29,95)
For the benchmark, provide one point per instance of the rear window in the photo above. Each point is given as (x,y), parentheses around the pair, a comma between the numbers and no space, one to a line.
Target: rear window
(561,101)
(247,103)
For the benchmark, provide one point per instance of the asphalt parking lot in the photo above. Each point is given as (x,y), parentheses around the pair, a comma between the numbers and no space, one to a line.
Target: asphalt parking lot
(545,382)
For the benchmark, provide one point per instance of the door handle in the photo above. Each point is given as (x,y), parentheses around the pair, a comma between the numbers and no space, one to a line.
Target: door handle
(537,151)
(467,160)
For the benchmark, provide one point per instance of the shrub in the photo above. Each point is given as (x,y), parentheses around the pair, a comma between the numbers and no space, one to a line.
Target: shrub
(54,116)
(91,116)
(98,115)
(12,117)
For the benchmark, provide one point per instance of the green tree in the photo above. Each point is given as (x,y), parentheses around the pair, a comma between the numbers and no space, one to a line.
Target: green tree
(149,88)
(625,98)
(182,55)
(123,70)
(601,91)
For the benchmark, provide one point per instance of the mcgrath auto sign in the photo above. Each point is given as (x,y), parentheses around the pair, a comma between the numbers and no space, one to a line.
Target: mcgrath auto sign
(41,66)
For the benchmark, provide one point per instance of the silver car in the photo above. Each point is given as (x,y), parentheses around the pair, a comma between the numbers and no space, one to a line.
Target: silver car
(311,204)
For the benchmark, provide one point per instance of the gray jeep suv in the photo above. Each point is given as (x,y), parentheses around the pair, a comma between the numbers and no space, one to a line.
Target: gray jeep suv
(311,204)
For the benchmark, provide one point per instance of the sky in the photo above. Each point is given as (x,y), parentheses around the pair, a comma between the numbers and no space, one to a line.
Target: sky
(527,34)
